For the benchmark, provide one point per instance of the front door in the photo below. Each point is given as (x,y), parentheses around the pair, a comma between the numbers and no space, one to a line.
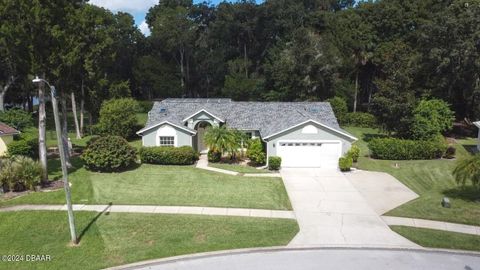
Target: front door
(201,129)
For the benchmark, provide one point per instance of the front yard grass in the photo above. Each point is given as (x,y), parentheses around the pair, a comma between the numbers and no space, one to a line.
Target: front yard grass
(431,179)
(115,239)
(237,168)
(439,239)
(163,185)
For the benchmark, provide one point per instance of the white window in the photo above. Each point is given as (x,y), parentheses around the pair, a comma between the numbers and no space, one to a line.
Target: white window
(167,141)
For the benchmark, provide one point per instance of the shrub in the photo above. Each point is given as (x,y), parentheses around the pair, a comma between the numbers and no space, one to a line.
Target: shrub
(345,163)
(255,152)
(450,153)
(214,156)
(19,173)
(118,117)
(360,119)
(274,163)
(16,118)
(108,154)
(399,149)
(26,144)
(167,155)
(339,106)
(431,118)
(354,153)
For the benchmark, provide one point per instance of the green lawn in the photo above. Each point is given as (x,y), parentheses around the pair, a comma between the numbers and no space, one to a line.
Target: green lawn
(439,239)
(237,168)
(431,179)
(114,239)
(164,185)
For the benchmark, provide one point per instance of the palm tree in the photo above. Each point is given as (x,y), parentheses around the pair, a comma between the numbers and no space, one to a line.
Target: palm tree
(468,169)
(222,140)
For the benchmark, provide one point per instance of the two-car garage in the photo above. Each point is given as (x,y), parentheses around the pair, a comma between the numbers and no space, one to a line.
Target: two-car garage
(309,154)
(309,145)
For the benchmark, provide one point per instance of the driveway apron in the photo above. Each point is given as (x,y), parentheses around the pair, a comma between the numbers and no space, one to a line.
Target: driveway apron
(331,212)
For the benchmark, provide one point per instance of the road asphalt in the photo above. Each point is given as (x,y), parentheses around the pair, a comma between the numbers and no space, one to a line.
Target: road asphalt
(324,259)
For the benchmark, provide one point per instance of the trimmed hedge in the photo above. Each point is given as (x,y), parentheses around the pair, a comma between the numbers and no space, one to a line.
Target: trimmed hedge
(360,119)
(167,155)
(345,163)
(274,163)
(109,154)
(399,149)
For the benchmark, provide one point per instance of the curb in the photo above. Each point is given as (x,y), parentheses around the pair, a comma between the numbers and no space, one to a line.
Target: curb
(224,253)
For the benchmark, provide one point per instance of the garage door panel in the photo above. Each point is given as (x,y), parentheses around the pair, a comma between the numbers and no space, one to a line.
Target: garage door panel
(309,154)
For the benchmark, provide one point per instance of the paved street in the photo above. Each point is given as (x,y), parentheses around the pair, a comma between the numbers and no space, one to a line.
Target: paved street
(331,212)
(325,259)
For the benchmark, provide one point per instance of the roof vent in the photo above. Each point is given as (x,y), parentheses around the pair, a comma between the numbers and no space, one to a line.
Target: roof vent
(163,110)
(314,110)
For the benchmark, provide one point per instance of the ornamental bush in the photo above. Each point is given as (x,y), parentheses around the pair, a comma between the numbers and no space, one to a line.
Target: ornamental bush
(430,119)
(118,117)
(399,149)
(255,152)
(109,154)
(20,173)
(360,119)
(214,155)
(168,155)
(354,153)
(345,163)
(274,163)
(26,144)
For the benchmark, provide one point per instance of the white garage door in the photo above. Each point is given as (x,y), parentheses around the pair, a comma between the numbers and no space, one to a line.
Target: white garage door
(309,154)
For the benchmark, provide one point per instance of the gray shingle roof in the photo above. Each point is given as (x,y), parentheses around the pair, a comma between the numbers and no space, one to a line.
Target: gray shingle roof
(267,117)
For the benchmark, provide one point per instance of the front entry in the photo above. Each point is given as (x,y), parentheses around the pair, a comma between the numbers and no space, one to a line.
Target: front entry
(201,128)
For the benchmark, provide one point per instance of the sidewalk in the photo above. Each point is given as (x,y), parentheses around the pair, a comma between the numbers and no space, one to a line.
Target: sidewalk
(153,209)
(431,224)
(202,163)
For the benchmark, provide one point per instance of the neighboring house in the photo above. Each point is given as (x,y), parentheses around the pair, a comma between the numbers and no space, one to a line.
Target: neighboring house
(6,137)
(303,134)
(477,124)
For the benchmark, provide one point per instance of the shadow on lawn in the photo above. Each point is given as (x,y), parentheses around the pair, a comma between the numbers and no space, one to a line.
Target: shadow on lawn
(368,137)
(85,230)
(468,193)
(55,168)
(471,148)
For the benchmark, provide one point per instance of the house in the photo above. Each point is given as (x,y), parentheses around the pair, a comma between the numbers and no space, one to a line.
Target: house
(303,134)
(477,124)
(6,137)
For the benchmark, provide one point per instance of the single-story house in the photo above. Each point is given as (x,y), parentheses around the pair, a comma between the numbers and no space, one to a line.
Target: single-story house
(303,134)
(477,124)
(6,137)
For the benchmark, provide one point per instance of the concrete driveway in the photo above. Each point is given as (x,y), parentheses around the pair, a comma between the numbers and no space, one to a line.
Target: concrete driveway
(382,191)
(332,212)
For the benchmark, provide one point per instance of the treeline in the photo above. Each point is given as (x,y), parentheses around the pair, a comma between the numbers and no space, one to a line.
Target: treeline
(380,56)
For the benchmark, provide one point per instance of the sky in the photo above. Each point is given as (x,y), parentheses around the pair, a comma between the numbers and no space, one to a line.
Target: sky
(138,9)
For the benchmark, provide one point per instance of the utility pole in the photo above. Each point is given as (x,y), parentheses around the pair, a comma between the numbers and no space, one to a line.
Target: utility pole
(61,150)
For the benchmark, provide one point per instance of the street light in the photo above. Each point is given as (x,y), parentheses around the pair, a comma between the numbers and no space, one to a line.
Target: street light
(61,150)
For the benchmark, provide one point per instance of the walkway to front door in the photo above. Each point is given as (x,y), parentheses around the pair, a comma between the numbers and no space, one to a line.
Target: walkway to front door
(331,212)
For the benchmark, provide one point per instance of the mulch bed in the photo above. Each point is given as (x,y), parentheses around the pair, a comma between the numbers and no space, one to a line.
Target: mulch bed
(50,186)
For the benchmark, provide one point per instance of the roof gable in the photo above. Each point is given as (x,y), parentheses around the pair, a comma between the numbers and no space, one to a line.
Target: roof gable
(205,112)
(340,132)
(7,130)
